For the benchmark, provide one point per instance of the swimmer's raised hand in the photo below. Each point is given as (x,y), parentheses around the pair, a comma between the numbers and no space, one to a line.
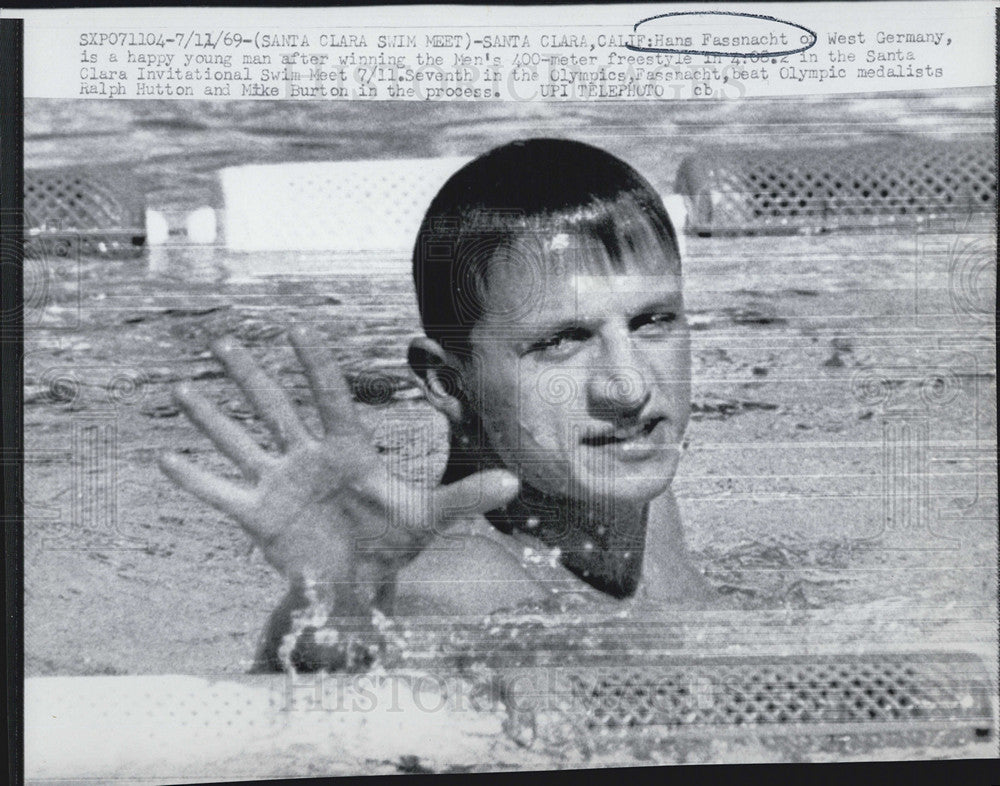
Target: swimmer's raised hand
(323,511)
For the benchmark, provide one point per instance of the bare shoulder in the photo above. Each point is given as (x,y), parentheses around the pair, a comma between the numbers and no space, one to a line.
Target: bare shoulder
(467,573)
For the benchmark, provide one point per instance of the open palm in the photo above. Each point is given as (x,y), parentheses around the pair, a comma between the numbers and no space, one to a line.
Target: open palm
(326,511)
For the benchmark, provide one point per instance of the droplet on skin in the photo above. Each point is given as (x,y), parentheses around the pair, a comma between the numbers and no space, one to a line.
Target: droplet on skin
(532,522)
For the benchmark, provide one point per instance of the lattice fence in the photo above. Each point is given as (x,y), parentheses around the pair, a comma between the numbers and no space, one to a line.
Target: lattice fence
(900,699)
(736,191)
(92,211)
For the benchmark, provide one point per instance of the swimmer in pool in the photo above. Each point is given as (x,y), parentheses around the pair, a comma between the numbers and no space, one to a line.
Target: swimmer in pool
(548,280)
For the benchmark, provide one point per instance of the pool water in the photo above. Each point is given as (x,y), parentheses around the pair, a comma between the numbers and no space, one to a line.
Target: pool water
(841,470)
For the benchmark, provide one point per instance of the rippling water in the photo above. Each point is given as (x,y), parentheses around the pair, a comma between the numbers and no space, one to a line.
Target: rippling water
(780,489)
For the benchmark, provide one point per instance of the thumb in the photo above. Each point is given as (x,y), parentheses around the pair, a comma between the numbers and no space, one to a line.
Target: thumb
(479,493)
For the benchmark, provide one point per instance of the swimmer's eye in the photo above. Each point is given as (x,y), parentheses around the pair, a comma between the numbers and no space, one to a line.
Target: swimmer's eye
(654,322)
(563,342)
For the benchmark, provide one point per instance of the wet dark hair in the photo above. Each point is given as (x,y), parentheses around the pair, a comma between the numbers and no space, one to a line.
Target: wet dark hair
(513,192)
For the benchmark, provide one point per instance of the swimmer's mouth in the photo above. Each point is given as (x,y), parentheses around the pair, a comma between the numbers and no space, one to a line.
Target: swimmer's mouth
(619,435)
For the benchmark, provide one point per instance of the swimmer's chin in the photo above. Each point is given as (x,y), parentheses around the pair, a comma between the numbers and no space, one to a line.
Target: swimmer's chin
(637,483)
(638,492)
(639,489)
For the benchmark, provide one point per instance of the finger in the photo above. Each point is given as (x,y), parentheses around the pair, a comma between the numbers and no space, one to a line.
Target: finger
(264,394)
(217,492)
(479,493)
(330,391)
(229,438)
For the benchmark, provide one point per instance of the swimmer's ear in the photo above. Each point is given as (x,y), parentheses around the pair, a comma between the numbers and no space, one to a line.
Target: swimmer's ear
(442,382)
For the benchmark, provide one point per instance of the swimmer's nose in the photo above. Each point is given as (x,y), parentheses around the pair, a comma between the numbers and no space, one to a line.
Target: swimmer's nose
(620,393)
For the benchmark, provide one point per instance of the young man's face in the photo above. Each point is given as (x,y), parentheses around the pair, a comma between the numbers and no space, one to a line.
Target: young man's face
(581,374)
